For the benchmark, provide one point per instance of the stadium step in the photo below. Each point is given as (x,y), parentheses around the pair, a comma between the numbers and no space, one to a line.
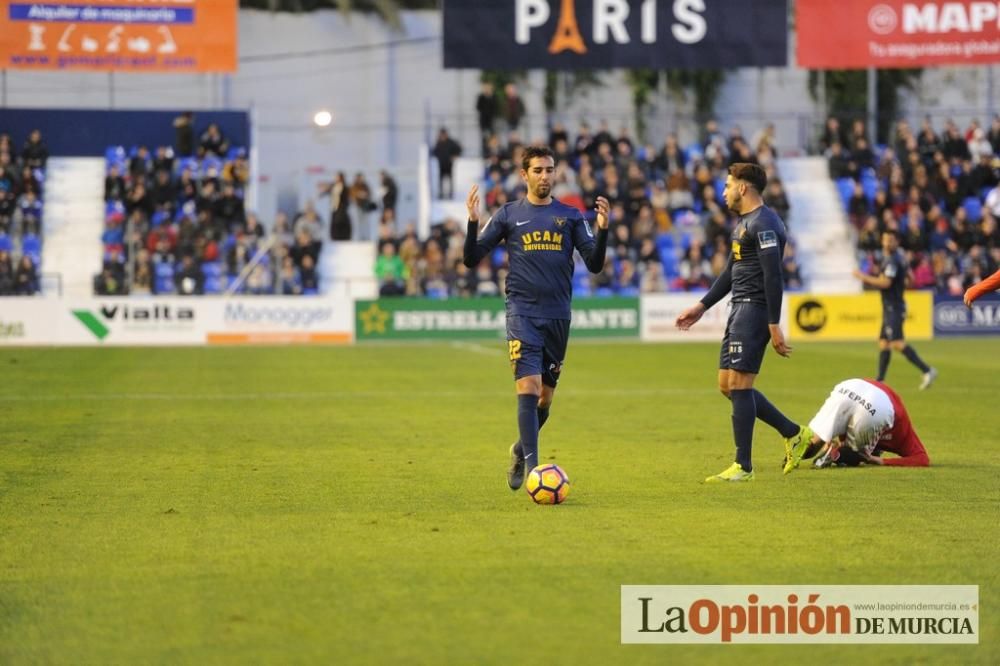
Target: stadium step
(347,268)
(824,238)
(73,222)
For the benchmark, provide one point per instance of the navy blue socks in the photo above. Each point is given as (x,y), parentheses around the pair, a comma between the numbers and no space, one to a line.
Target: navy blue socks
(912,357)
(773,417)
(527,425)
(883,363)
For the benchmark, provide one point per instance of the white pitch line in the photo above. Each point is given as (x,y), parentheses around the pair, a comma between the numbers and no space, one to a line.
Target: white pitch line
(338,395)
(477,349)
(416,396)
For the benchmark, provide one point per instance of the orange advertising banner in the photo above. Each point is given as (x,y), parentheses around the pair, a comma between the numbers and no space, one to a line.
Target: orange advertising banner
(175,36)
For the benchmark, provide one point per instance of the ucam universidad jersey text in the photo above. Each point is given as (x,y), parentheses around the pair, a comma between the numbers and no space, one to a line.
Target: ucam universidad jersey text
(540,243)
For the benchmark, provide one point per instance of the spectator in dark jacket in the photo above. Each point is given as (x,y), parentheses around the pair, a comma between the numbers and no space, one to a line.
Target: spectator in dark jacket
(445,151)
(35,153)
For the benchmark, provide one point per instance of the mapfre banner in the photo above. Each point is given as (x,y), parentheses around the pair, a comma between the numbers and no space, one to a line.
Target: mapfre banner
(852,34)
(119,35)
(567,34)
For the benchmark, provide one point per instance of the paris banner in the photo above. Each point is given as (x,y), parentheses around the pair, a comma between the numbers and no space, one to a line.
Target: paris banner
(174,36)
(601,34)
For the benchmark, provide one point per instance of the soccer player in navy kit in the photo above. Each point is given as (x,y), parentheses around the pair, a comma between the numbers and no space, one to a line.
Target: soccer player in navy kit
(541,234)
(892,281)
(753,274)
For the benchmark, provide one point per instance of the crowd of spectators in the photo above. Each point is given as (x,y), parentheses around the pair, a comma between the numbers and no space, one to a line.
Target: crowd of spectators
(670,228)
(176,223)
(939,190)
(22,182)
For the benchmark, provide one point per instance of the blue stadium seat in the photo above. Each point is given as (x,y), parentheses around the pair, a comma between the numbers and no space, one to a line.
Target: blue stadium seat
(159,217)
(664,241)
(235,152)
(845,186)
(164,285)
(189,164)
(114,208)
(209,164)
(676,215)
(212,269)
(693,151)
(114,154)
(974,207)
(720,187)
(215,280)
(870,186)
(31,245)
(163,281)
(5,243)
(686,241)
(670,264)
(113,236)
(310,292)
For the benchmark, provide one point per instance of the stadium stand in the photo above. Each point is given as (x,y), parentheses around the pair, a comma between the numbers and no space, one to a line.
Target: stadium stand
(177,224)
(669,225)
(22,182)
(941,191)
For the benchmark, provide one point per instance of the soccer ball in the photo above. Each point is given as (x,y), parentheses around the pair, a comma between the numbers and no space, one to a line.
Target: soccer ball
(547,484)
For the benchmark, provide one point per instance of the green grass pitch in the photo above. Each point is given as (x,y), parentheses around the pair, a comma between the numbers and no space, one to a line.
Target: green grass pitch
(348,504)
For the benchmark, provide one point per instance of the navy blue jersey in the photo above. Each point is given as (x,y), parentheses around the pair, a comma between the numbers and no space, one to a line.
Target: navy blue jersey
(540,243)
(759,237)
(894,267)
(753,269)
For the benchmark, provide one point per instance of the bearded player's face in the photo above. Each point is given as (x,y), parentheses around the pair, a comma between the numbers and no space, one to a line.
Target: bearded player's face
(539,175)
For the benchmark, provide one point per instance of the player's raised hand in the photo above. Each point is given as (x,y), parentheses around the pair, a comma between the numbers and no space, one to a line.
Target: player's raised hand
(602,208)
(472,203)
(968,299)
(689,317)
(778,341)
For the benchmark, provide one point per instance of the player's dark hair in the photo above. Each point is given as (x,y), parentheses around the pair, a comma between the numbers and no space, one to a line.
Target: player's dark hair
(531,152)
(753,174)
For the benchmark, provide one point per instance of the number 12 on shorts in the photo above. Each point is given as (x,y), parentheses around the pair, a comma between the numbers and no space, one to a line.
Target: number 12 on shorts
(514,349)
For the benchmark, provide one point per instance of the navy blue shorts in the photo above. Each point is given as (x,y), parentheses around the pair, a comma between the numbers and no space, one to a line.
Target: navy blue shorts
(892,325)
(537,347)
(746,339)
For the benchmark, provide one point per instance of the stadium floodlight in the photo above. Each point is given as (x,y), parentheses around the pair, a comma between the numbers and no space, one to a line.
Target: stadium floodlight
(322,118)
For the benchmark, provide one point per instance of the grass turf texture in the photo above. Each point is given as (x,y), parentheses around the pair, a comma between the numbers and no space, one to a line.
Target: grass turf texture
(349,505)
